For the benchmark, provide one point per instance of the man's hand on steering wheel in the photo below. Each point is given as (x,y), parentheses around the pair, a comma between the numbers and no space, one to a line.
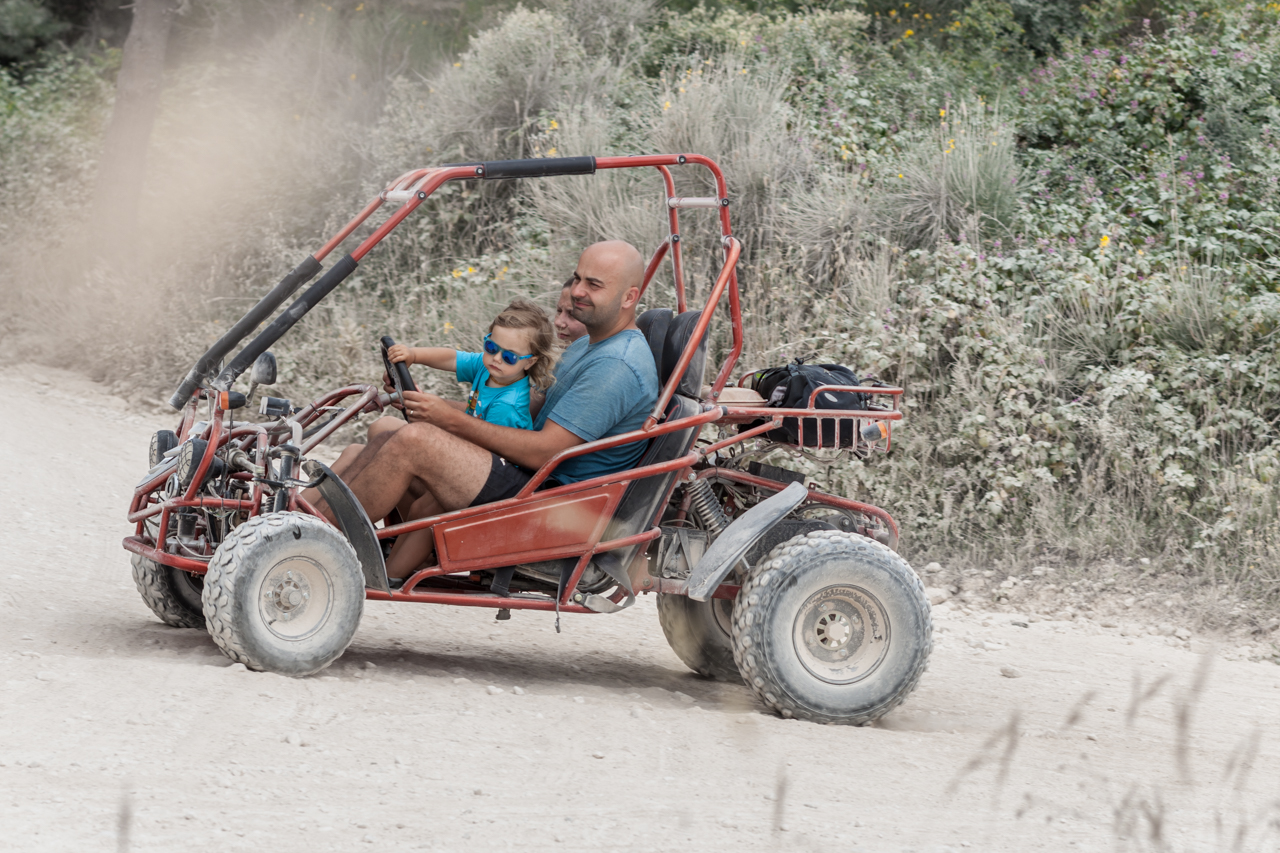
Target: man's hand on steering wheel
(421,406)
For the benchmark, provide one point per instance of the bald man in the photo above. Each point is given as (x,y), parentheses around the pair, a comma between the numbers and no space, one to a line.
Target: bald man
(606,384)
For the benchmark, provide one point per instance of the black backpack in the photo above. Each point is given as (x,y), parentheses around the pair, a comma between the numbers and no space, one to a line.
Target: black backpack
(789,387)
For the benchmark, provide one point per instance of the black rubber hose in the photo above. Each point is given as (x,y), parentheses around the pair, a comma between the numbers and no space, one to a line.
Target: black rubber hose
(300,275)
(285,321)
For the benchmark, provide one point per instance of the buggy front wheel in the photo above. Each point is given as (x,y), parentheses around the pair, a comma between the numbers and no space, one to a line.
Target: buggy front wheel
(284,593)
(832,627)
(172,594)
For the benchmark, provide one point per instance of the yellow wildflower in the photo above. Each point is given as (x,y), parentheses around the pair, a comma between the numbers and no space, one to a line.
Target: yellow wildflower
(942,113)
(667,105)
(908,34)
(555,125)
(448,327)
(1104,241)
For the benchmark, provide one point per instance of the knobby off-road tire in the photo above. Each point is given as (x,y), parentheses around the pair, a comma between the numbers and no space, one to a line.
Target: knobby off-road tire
(284,593)
(699,633)
(832,627)
(172,594)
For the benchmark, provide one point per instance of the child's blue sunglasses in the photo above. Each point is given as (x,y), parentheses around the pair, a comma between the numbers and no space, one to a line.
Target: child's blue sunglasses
(507,355)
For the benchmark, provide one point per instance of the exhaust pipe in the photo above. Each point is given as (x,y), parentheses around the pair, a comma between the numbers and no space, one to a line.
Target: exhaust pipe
(301,274)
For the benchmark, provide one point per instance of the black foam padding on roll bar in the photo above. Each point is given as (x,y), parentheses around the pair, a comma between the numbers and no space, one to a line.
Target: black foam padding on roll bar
(300,275)
(285,321)
(540,167)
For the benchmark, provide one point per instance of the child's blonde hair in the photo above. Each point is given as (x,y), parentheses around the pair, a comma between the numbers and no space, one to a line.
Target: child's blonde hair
(523,314)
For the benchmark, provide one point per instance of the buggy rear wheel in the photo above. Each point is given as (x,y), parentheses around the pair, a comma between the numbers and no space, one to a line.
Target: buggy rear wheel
(700,633)
(284,593)
(832,627)
(172,594)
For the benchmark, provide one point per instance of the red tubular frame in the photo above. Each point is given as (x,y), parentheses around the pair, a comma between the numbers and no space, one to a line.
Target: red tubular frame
(699,330)
(411,189)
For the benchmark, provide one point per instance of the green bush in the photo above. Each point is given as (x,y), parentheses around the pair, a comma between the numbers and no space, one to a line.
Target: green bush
(25,27)
(1055,226)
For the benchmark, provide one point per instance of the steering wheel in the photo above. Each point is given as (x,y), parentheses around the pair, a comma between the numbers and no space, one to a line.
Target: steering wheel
(399,373)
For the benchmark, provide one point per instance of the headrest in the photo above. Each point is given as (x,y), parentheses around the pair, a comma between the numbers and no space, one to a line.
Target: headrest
(668,333)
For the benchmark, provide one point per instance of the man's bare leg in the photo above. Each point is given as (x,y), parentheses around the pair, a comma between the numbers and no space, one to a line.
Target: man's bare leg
(412,550)
(355,462)
(348,455)
(452,470)
(381,426)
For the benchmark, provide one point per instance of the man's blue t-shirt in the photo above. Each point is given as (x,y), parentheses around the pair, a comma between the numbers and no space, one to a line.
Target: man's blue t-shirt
(601,390)
(507,406)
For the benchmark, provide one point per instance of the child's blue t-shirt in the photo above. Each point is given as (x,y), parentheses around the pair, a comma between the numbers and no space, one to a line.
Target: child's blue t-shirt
(507,406)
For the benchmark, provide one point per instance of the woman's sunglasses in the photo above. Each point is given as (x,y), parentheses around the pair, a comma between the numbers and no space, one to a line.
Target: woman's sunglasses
(507,355)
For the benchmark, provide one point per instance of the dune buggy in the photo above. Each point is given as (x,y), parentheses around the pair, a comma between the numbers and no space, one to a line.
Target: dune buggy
(797,593)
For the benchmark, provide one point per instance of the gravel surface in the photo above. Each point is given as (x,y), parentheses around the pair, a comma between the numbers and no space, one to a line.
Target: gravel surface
(441,729)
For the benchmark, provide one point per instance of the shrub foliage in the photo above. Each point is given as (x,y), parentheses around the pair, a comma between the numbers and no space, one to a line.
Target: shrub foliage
(1055,225)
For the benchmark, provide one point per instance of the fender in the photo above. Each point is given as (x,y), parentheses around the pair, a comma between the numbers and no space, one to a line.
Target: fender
(731,545)
(353,522)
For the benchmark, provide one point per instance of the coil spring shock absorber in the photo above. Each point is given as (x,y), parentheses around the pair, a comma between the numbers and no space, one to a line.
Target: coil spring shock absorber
(707,508)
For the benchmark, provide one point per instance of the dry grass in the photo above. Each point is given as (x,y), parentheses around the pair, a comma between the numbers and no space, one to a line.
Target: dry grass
(960,183)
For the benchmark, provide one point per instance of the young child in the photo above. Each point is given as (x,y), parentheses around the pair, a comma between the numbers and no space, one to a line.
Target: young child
(519,351)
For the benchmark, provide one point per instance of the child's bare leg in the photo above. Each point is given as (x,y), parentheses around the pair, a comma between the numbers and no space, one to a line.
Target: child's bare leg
(412,550)
(348,455)
(385,424)
(380,427)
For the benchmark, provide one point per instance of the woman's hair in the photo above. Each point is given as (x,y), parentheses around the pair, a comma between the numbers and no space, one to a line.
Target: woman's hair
(523,314)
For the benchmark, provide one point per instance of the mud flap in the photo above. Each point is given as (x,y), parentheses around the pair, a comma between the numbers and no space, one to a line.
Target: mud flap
(353,522)
(733,544)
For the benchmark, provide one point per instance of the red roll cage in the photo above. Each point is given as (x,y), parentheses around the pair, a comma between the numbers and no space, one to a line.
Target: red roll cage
(563,522)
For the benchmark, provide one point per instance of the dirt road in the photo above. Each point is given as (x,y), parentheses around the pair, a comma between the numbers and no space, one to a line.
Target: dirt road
(441,729)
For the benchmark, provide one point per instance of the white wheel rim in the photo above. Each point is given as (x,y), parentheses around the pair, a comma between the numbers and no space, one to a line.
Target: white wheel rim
(295,598)
(841,634)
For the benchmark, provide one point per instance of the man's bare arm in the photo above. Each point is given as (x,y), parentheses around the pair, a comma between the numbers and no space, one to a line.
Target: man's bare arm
(529,448)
